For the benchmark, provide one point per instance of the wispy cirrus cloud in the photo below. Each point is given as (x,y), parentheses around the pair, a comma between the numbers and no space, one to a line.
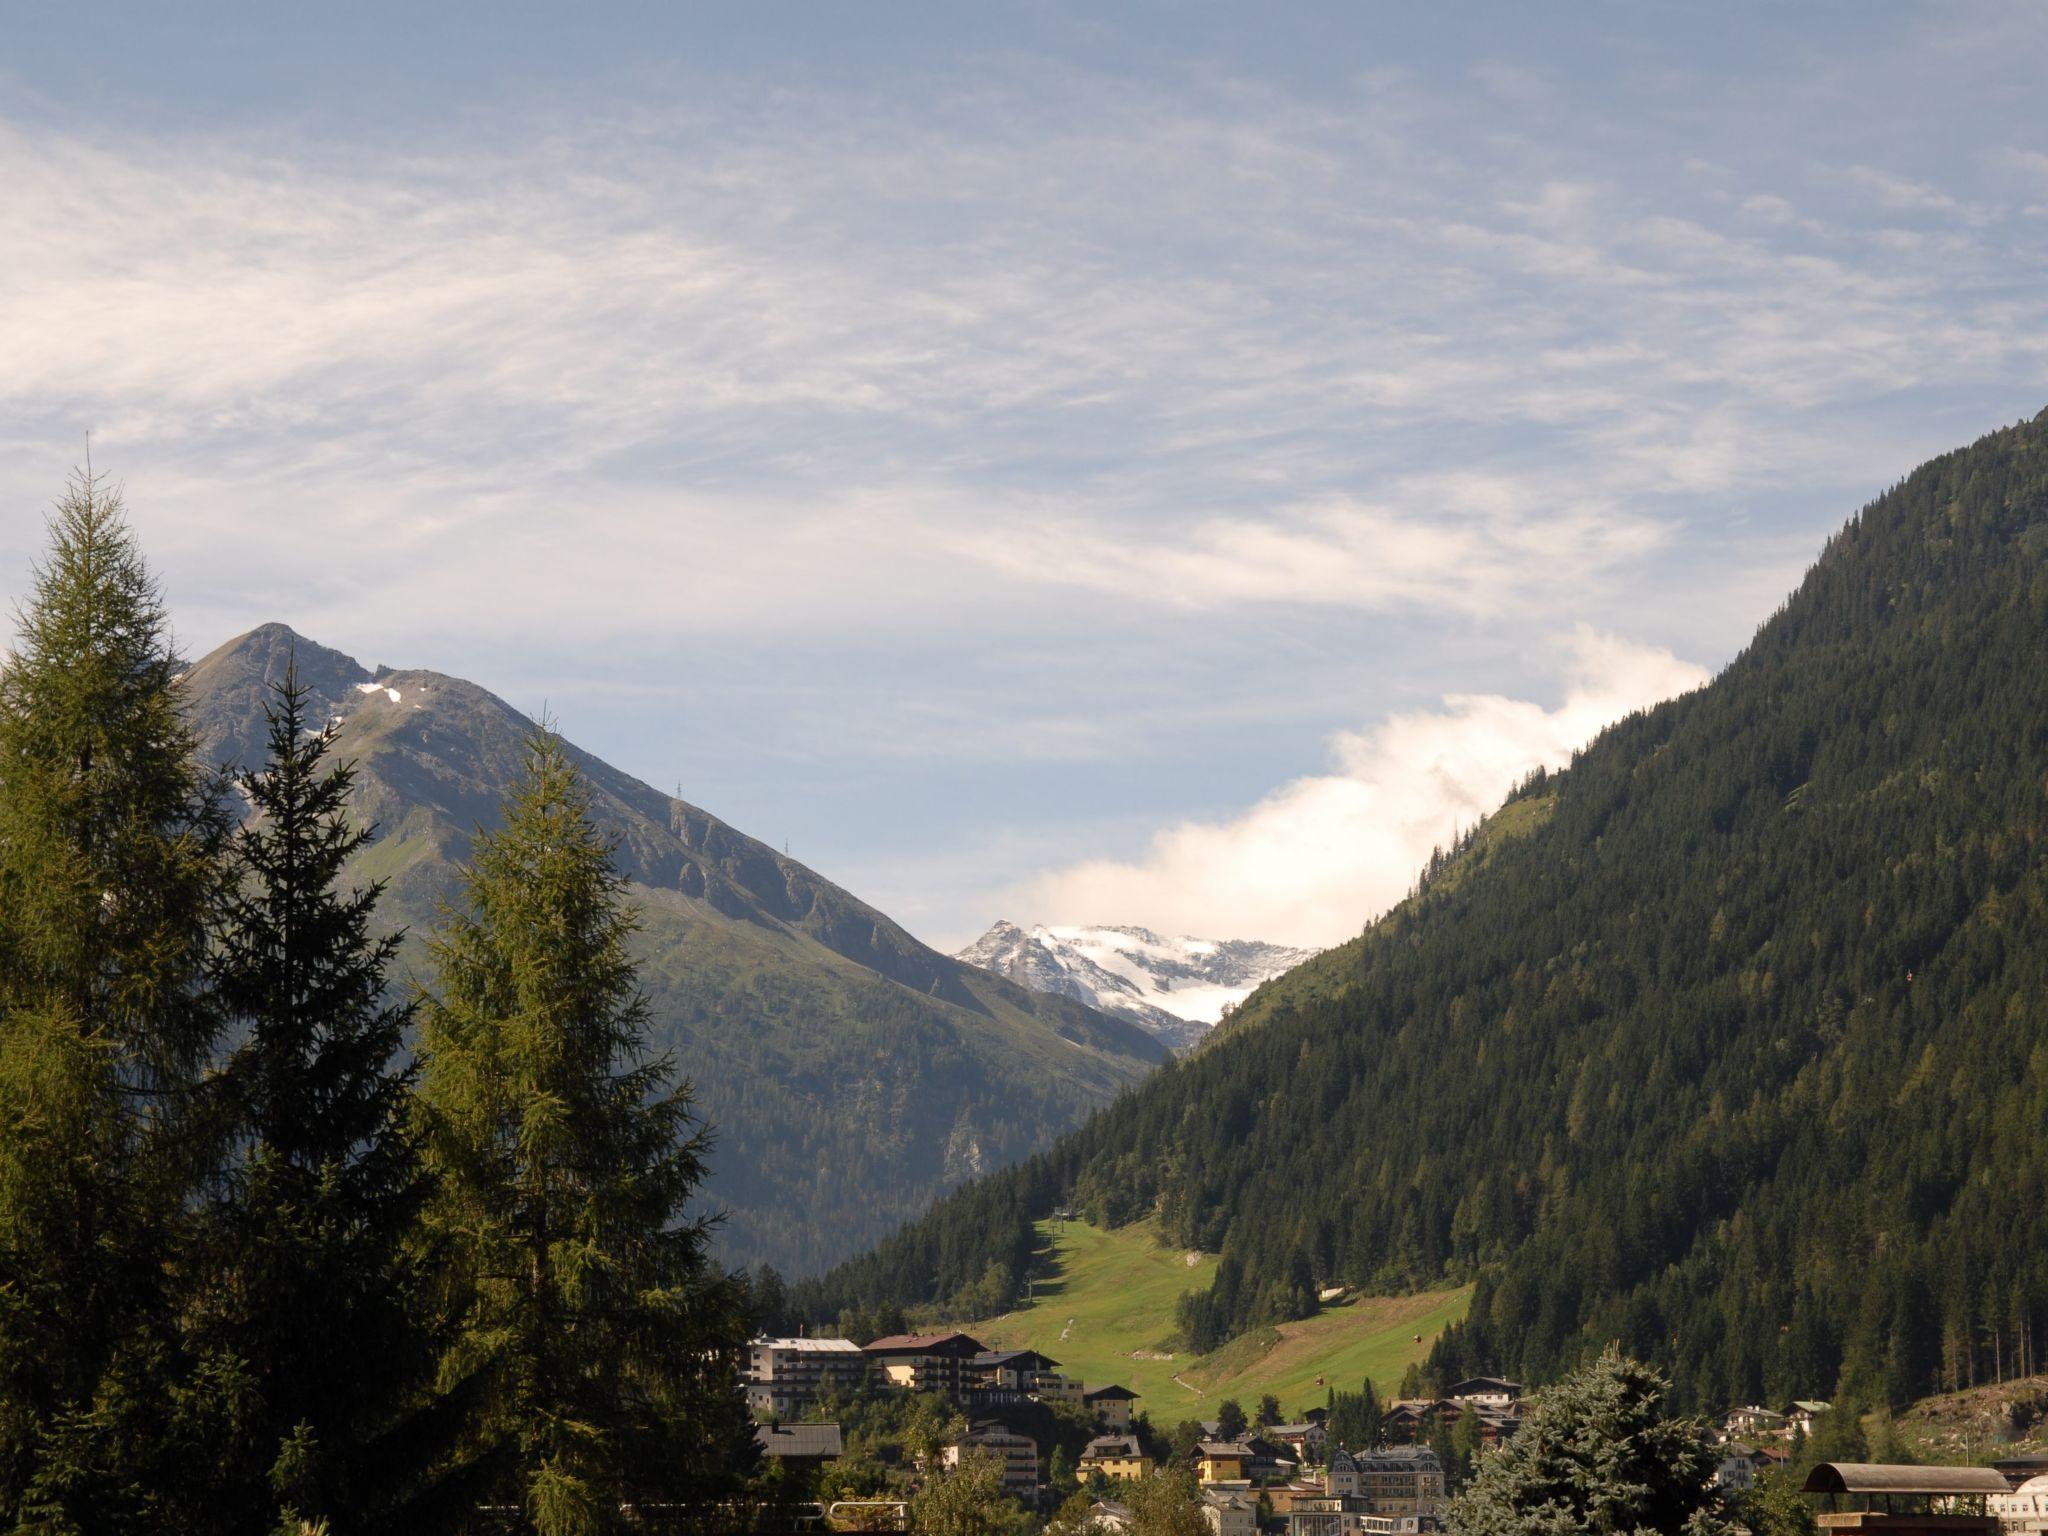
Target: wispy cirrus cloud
(1432,364)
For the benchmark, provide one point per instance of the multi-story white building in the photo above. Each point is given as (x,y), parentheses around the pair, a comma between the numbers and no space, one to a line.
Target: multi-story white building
(1018,1454)
(786,1376)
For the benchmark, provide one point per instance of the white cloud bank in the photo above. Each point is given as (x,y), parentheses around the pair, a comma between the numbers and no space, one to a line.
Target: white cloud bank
(1317,859)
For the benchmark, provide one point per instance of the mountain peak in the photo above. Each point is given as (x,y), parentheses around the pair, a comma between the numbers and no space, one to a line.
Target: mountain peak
(1176,988)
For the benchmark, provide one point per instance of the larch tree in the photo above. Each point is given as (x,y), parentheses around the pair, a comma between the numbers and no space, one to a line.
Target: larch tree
(566,1156)
(318,1286)
(111,840)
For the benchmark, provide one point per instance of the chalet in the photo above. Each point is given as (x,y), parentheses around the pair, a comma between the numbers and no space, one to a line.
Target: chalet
(800,1446)
(1116,1456)
(1738,1469)
(1269,1461)
(1111,1405)
(925,1362)
(1306,1441)
(1495,1424)
(1770,1458)
(1012,1375)
(1800,1417)
(1410,1419)
(1231,1511)
(1017,1453)
(1486,1389)
(786,1376)
(1222,1461)
(1752,1421)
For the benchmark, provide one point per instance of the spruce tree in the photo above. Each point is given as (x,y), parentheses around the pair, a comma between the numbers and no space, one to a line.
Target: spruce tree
(316,1286)
(1596,1454)
(111,838)
(566,1156)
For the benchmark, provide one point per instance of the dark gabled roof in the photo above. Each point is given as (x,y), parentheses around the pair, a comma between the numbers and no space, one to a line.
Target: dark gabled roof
(956,1344)
(1865,1477)
(1122,1446)
(1235,1448)
(1021,1359)
(1112,1391)
(800,1440)
(1484,1383)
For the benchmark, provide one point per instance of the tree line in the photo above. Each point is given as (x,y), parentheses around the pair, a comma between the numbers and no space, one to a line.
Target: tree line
(1729,1041)
(263,1268)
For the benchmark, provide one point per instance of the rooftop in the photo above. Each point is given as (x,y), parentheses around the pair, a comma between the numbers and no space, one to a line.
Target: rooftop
(800,1440)
(1873,1477)
(1112,1391)
(926,1343)
(811,1346)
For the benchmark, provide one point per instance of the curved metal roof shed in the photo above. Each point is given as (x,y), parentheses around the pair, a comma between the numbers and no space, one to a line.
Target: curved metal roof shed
(1918,1501)
(1874,1477)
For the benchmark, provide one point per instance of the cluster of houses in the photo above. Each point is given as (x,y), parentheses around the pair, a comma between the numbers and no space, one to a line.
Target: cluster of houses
(1383,1492)
(787,1377)
(1755,1440)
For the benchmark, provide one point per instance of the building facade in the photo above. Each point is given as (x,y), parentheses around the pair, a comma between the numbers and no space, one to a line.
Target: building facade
(1017,1453)
(925,1362)
(786,1376)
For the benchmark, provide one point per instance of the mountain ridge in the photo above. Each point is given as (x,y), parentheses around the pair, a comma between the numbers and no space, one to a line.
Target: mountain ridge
(1729,1042)
(1175,988)
(877,1071)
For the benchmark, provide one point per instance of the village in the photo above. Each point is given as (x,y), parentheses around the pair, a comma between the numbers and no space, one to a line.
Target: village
(1074,1448)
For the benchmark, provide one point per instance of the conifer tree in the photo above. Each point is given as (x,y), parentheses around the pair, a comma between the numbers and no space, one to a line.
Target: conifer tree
(317,1288)
(111,838)
(565,1156)
(1595,1453)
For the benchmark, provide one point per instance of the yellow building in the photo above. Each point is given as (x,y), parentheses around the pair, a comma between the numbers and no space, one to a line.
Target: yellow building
(1221,1461)
(1116,1456)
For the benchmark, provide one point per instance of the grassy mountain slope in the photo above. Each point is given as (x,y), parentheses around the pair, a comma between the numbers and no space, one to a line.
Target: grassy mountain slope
(1730,1042)
(851,1072)
(1106,1312)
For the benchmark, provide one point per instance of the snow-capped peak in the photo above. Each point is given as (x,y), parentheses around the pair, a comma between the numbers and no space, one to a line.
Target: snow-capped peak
(1174,987)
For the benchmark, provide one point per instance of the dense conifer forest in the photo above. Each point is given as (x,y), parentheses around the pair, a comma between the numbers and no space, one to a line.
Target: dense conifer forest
(1728,1043)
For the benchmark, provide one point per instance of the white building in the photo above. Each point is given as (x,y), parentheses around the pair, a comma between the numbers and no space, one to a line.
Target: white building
(2024,1511)
(1231,1511)
(786,1376)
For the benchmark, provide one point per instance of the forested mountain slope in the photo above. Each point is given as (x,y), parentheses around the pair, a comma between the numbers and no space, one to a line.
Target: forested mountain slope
(1730,1042)
(851,1072)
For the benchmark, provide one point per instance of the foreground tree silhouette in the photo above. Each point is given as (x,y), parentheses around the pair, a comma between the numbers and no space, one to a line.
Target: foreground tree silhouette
(111,838)
(316,1287)
(565,1158)
(1595,1454)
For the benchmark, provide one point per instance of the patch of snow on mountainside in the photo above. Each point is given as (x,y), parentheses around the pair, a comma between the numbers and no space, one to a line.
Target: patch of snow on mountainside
(1176,988)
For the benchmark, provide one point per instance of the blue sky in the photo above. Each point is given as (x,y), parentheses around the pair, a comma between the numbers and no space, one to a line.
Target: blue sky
(1163,464)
